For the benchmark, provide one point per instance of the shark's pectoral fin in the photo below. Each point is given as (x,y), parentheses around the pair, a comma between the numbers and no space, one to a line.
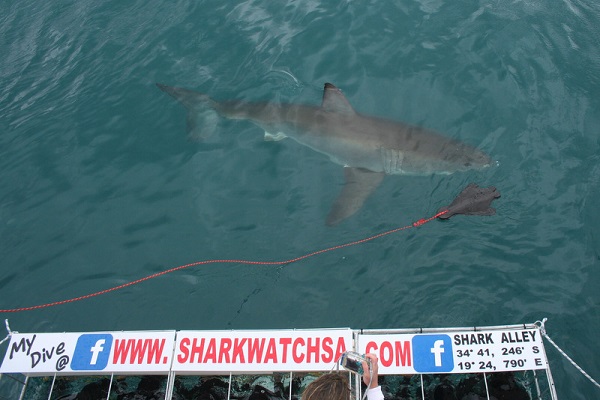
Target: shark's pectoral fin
(360,183)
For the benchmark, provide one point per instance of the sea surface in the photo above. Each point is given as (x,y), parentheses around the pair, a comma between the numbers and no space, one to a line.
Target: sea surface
(100,186)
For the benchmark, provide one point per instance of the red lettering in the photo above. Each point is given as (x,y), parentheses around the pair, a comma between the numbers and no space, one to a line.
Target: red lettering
(155,350)
(298,358)
(238,350)
(136,349)
(371,347)
(271,352)
(211,351)
(197,350)
(247,350)
(285,342)
(398,353)
(386,359)
(120,354)
(327,350)
(224,350)
(403,353)
(313,349)
(185,353)
(139,350)
(340,349)
(255,349)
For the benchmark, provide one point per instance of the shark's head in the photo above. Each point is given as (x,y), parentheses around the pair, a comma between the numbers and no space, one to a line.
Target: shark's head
(471,158)
(460,157)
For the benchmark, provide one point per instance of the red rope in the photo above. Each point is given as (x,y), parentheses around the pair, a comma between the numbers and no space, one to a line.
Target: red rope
(224,261)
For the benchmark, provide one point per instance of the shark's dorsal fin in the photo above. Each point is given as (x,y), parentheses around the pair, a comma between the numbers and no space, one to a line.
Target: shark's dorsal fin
(335,101)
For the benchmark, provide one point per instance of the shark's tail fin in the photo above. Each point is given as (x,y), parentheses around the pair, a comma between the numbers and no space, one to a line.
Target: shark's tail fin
(202,119)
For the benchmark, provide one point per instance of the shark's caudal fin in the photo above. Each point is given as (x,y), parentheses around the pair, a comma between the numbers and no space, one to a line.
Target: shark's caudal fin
(202,119)
(360,183)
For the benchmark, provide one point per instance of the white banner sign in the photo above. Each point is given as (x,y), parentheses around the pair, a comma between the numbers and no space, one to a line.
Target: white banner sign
(260,351)
(89,353)
(456,352)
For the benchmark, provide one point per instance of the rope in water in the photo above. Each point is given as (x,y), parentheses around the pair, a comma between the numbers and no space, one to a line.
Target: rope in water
(10,333)
(224,261)
(544,334)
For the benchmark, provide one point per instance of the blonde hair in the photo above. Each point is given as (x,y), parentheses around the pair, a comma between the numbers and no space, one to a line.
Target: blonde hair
(332,386)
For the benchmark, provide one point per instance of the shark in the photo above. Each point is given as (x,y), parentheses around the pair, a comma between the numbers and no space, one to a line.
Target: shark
(368,147)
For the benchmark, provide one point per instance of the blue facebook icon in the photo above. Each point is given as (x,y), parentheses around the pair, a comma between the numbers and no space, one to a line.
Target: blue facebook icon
(432,353)
(92,351)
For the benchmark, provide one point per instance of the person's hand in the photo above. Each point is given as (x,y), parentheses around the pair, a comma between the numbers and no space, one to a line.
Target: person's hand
(370,376)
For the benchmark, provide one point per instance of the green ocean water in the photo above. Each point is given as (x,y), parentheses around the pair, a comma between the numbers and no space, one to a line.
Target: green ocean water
(99,185)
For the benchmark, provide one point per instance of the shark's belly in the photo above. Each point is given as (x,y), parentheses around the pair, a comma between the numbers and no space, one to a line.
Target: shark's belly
(345,152)
(375,157)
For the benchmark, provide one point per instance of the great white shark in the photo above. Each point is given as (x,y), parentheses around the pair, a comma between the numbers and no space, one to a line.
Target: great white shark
(367,147)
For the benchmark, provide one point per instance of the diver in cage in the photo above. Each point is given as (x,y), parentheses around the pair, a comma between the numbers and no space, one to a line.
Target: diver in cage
(336,386)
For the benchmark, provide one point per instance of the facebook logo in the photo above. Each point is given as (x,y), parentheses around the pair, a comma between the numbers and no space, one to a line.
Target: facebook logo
(432,353)
(92,351)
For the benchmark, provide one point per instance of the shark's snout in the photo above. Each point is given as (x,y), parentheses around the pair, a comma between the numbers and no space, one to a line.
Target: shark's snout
(481,160)
(474,159)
